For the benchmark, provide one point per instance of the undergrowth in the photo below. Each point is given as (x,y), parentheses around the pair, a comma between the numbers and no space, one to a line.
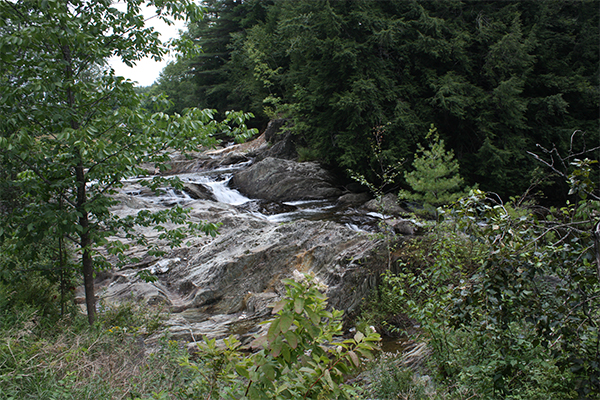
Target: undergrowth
(71,360)
(302,355)
(505,300)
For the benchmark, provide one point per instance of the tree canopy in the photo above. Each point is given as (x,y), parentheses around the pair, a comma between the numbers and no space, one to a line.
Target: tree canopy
(495,77)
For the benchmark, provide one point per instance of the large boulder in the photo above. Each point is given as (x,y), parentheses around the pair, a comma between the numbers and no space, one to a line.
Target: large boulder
(387,204)
(273,133)
(354,199)
(284,180)
(198,191)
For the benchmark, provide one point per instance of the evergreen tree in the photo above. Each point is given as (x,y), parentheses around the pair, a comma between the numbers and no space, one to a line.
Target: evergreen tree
(435,180)
(495,77)
(213,34)
(211,79)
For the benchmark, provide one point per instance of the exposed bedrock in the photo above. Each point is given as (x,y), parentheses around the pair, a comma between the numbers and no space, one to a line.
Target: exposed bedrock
(222,285)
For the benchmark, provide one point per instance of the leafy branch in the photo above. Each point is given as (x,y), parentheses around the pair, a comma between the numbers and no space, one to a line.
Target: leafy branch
(300,356)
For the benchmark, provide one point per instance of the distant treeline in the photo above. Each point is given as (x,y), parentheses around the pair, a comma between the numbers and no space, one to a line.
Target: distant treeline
(495,77)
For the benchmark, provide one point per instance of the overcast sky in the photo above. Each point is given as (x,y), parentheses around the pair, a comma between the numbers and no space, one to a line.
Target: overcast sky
(147,70)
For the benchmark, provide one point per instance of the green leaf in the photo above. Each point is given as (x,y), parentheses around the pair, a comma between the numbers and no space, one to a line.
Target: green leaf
(354,358)
(359,336)
(328,380)
(273,331)
(269,371)
(292,339)
(279,306)
(298,305)
(286,322)
(314,317)
(365,353)
(285,351)
(242,371)
(276,347)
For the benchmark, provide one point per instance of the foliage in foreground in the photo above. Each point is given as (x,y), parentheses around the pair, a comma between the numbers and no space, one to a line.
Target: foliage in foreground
(507,299)
(71,360)
(302,355)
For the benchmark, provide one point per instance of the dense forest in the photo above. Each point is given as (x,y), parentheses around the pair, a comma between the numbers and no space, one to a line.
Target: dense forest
(496,78)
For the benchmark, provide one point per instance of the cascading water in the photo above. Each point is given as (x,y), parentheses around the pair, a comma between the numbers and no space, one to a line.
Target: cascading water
(219,286)
(216,181)
(303,209)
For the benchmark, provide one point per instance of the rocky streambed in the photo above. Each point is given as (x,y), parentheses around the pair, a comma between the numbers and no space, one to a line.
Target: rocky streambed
(277,216)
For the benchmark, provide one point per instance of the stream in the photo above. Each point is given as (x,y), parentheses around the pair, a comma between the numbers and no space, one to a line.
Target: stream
(216,181)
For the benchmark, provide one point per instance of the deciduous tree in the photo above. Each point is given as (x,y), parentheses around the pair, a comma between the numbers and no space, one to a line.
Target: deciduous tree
(74,130)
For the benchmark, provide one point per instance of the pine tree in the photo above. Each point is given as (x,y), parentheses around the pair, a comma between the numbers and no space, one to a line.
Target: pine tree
(495,77)
(435,180)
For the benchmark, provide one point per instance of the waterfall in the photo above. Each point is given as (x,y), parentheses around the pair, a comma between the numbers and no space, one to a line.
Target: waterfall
(217,182)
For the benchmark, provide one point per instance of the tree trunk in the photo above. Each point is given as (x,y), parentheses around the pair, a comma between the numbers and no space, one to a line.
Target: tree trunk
(597,247)
(88,282)
(85,242)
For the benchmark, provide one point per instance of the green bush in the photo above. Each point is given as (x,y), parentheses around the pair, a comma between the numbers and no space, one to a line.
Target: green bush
(507,300)
(302,355)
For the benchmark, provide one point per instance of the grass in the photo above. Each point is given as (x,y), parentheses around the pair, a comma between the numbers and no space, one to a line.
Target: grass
(74,361)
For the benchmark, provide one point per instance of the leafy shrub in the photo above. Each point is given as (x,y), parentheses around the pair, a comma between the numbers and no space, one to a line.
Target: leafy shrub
(302,355)
(508,300)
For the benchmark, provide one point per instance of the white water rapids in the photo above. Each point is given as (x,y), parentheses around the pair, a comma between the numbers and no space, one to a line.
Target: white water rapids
(217,182)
